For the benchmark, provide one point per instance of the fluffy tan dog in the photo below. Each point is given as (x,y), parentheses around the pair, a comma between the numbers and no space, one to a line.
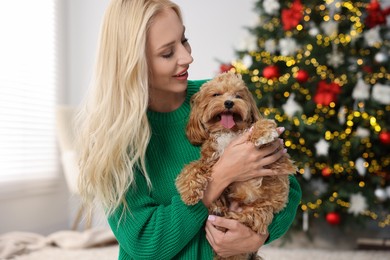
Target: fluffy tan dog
(221,110)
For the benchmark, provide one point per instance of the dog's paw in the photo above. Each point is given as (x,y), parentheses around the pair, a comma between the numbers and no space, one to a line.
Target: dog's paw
(192,182)
(267,137)
(188,193)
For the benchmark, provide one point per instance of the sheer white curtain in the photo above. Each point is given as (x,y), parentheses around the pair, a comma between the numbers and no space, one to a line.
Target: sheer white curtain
(28,90)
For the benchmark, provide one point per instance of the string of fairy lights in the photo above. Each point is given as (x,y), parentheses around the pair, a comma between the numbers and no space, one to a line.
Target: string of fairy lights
(322,71)
(334,199)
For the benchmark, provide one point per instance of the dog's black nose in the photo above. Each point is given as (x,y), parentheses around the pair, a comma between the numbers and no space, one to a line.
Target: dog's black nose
(229,104)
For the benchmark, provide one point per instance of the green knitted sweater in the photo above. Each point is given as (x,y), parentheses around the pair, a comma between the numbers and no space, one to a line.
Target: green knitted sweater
(159,225)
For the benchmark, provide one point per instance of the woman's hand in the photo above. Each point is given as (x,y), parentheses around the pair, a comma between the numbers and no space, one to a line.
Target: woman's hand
(242,161)
(238,239)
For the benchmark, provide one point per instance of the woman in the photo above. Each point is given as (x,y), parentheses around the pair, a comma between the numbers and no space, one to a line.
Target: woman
(133,145)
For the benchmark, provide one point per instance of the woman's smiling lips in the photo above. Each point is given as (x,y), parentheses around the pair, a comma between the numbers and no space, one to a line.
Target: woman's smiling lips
(182,75)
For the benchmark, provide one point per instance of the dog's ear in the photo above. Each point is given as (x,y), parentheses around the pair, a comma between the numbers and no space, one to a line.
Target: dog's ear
(195,130)
(255,112)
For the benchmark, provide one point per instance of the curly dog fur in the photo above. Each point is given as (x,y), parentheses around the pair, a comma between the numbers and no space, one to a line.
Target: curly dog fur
(223,109)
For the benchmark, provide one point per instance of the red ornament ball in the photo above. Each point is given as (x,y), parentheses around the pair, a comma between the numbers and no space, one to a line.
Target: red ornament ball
(367,69)
(333,218)
(384,137)
(271,72)
(302,76)
(326,172)
(225,67)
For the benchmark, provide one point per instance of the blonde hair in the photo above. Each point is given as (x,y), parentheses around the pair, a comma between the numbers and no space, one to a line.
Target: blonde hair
(113,127)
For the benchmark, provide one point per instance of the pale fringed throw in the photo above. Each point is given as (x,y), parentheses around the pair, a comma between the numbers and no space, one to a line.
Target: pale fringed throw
(17,243)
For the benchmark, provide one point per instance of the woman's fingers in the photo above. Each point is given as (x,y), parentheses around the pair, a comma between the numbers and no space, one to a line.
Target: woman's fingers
(271,158)
(280,130)
(222,222)
(271,148)
(235,238)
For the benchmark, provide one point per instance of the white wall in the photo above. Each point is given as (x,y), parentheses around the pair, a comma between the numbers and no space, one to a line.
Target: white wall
(214,29)
(83,25)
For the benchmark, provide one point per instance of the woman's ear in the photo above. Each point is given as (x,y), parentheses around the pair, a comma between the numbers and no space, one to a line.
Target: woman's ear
(195,130)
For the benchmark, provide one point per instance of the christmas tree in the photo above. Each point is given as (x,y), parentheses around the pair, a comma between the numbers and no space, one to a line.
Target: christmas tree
(321,69)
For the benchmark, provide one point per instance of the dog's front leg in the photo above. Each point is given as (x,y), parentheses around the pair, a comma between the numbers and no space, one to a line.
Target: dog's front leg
(192,182)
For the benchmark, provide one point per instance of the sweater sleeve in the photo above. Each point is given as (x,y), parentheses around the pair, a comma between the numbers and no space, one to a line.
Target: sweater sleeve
(283,219)
(152,231)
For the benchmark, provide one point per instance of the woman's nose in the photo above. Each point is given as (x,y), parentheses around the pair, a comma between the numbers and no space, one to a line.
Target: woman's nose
(185,57)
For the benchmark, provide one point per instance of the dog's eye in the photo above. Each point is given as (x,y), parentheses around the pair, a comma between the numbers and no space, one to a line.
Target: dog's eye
(238,96)
(216,94)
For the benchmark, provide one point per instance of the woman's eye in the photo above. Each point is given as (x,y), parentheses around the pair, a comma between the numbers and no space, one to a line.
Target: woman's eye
(184,41)
(168,55)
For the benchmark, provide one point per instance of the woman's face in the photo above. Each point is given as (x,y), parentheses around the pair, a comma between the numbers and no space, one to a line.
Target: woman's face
(169,56)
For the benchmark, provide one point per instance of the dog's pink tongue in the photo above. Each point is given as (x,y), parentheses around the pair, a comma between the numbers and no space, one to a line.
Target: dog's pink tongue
(227,120)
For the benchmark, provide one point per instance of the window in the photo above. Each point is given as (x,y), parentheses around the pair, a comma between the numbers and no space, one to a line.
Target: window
(28,89)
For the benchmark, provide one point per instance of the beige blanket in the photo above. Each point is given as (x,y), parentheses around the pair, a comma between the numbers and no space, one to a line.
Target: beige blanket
(17,243)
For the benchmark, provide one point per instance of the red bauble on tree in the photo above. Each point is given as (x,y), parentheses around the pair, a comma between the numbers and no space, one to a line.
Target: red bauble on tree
(367,69)
(333,218)
(326,93)
(302,76)
(271,72)
(376,16)
(326,172)
(384,137)
(225,67)
(292,16)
